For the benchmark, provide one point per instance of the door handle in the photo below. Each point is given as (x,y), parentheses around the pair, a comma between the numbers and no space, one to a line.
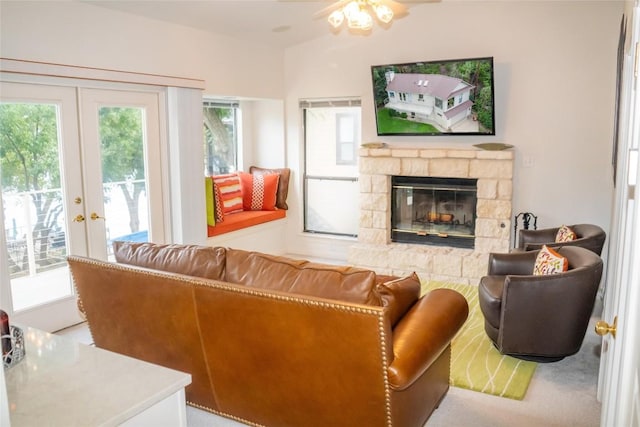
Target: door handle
(603,328)
(78,218)
(95,216)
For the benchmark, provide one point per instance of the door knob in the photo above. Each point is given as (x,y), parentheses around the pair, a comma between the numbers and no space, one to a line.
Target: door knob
(603,328)
(95,216)
(78,218)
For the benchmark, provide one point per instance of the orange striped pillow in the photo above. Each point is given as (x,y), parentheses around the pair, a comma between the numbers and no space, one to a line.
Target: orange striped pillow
(228,186)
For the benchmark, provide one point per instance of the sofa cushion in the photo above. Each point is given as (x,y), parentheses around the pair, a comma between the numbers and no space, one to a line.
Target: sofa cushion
(302,277)
(283,183)
(192,260)
(341,283)
(398,296)
(261,270)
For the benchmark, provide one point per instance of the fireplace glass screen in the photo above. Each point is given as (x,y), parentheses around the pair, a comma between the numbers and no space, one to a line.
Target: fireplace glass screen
(433,211)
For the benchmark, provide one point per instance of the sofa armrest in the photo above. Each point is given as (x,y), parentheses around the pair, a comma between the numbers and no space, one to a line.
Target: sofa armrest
(424,333)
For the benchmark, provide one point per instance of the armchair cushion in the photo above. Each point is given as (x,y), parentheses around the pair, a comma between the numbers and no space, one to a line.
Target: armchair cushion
(565,234)
(549,261)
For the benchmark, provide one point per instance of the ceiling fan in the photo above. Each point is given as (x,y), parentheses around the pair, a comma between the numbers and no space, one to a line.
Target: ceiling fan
(359,15)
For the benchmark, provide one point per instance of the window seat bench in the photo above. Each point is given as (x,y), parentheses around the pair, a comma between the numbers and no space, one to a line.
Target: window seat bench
(239,220)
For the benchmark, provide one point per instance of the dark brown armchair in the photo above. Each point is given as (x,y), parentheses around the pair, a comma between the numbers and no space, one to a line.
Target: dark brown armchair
(540,318)
(589,236)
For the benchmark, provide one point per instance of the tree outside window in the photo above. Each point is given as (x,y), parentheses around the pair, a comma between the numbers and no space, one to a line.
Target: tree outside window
(220,137)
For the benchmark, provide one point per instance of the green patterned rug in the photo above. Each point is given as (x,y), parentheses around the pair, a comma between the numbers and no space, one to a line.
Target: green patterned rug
(475,363)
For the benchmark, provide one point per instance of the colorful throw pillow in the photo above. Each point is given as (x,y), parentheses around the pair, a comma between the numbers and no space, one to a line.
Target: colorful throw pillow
(209,199)
(283,183)
(230,192)
(549,261)
(565,234)
(258,191)
(217,204)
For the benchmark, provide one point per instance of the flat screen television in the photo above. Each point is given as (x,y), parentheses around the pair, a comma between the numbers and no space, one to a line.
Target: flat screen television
(448,97)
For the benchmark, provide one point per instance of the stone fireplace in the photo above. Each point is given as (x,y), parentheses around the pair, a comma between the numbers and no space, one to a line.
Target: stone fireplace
(375,249)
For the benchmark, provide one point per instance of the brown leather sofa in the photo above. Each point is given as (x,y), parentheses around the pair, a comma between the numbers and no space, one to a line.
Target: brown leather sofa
(274,341)
(589,236)
(539,318)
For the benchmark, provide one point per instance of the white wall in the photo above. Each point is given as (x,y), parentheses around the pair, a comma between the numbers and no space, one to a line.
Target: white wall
(555,65)
(75,33)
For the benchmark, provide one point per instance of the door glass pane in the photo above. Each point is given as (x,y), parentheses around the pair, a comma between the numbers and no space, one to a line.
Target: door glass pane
(34,214)
(123,175)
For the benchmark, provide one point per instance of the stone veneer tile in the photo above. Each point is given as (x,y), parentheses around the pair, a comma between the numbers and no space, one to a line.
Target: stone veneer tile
(487,189)
(500,209)
(453,168)
(404,153)
(498,155)
(380,184)
(414,167)
(505,189)
(434,154)
(461,154)
(383,165)
(374,201)
(372,236)
(492,227)
(491,168)
(380,219)
(366,219)
(364,183)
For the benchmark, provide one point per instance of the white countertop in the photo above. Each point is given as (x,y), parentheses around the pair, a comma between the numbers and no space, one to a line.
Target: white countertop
(63,383)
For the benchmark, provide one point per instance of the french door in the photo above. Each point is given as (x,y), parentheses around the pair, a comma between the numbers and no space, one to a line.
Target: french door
(77,168)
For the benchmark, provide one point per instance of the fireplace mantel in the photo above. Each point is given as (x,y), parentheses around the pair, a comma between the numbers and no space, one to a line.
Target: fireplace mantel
(374,250)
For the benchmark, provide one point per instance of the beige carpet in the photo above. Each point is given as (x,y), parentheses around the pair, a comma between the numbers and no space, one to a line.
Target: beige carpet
(475,363)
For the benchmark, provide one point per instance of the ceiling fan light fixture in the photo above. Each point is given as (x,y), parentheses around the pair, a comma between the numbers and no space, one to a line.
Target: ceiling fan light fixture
(384,13)
(359,14)
(351,10)
(336,18)
(361,21)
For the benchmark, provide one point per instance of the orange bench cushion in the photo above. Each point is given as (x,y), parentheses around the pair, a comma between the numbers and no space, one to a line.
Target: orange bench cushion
(239,220)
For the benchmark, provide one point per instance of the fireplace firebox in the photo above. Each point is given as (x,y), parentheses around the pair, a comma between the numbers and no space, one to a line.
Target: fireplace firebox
(433,211)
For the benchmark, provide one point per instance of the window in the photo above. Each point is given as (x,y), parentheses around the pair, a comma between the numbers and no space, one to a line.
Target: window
(220,137)
(438,103)
(420,97)
(331,191)
(347,126)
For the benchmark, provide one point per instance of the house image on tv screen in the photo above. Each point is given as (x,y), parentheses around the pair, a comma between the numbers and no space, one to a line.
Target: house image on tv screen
(431,98)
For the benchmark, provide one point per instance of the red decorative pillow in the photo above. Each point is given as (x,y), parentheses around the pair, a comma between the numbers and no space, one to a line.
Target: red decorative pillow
(258,191)
(283,183)
(228,187)
(565,234)
(549,261)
